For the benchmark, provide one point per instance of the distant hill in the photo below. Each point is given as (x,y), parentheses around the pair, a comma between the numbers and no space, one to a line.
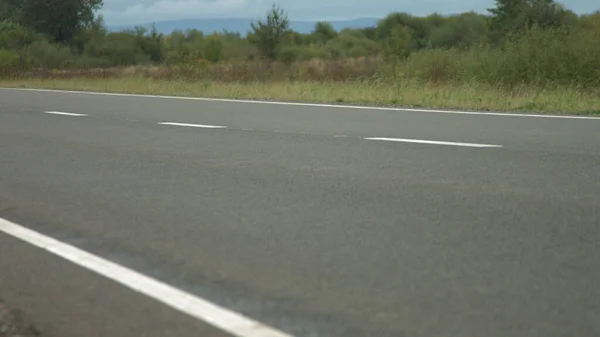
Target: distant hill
(242,26)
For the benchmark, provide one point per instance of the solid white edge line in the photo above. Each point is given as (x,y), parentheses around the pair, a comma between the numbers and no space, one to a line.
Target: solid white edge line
(432,142)
(194,125)
(199,308)
(319,105)
(64,113)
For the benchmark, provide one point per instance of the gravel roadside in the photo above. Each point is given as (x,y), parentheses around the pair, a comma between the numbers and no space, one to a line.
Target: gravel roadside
(14,324)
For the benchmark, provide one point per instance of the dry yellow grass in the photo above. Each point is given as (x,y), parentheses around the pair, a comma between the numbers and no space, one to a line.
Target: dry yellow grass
(462,96)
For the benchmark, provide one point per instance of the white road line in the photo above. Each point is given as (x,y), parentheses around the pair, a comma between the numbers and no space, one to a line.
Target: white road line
(64,113)
(318,105)
(199,308)
(419,141)
(195,125)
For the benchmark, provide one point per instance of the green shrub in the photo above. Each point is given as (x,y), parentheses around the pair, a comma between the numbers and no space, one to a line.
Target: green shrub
(87,62)
(537,57)
(9,61)
(433,65)
(213,49)
(46,55)
(14,36)
(398,45)
(288,54)
(556,56)
(122,50)
(351,43)
(151,45)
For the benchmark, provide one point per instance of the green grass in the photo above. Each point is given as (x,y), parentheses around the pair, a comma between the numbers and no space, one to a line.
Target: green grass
(460,96)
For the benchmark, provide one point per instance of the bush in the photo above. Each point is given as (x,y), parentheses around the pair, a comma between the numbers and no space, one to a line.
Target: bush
(46,55)
(460,31)
(213,50)
(293,53)
(538,57)
(14,36)
(191,68)
(152,45)
(122,50)
(9,62)
(351,44)
(305,53)
(556,56)
(398,44)
(433,65)
(288,54)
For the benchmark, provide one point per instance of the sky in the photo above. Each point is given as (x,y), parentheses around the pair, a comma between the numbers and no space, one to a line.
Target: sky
(128,12)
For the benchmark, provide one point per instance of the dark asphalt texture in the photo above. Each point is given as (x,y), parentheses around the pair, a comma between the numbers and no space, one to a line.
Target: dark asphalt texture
(290,225)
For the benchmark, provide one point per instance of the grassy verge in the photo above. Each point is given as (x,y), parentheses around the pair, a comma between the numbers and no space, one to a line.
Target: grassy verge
(459,96)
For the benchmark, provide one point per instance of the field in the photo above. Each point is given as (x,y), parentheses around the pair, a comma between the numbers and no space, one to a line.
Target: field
(356,88)
(538,70)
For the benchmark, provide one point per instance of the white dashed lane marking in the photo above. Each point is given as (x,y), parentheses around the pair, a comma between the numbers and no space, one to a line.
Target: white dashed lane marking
(401,140)
(432,142)
(194,125)
(64,113)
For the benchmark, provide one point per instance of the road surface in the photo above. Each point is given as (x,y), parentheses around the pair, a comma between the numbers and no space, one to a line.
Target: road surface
(313,220)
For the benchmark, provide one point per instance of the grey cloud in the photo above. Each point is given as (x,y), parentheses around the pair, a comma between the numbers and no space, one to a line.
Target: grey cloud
(142,11)
(134,12)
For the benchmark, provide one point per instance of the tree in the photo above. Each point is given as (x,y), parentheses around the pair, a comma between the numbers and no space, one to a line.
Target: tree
(267,36)
(352,43)
(121,49)
(88,41)
(9,10)
(398,45)
(460,31)
(150,44)
(418,26)
(14,36)
(516,16)
(59,19)
(324,32)
(291,37)
(213,50)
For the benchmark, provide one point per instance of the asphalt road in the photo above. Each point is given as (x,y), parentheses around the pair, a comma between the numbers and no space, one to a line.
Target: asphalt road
(291,217)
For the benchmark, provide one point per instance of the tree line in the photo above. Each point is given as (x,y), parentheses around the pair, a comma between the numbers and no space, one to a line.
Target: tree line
(70,33)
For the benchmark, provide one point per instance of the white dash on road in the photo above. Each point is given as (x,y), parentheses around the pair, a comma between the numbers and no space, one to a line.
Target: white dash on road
(432,142)
(194,125)
(64,113)
(189,304)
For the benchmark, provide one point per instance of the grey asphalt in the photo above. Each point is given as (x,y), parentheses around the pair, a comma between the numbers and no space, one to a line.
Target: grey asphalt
(277,218)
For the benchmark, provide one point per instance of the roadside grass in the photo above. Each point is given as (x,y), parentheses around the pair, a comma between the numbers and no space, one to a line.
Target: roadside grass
(540,70)
(569,100)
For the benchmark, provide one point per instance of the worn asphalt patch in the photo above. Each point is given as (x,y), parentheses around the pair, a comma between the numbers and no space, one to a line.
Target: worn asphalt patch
(13,323)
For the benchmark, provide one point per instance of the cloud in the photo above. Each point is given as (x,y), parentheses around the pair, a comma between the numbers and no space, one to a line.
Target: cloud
(149,11)
(131,12)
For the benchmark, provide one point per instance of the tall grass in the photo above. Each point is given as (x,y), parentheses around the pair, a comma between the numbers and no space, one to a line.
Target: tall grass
(242,72)
(406,94)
